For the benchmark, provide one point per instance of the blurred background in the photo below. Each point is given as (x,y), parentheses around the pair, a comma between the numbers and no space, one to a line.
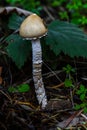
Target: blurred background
(70,10)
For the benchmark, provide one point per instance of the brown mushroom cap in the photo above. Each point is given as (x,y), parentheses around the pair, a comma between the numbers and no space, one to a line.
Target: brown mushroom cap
(32,27)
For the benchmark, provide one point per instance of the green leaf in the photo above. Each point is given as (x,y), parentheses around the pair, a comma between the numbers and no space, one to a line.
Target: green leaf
(82,105)
(68,83)
(15,21)
(85,109)
(67,38)
(82,96)
(81,90)
(68,69)
(78,92)
(77,107)
(12,89)
(18,49)
(23,88)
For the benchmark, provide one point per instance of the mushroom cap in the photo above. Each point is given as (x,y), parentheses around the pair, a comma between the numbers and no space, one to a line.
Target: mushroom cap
(32,27)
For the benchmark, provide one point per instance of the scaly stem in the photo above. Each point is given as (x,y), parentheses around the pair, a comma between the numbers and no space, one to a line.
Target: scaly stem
(37,73)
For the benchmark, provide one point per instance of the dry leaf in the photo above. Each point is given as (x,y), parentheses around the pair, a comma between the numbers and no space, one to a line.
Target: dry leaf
(59,104)
(9,9)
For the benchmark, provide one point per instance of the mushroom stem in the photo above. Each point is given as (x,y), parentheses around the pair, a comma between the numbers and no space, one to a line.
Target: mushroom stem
(37,74)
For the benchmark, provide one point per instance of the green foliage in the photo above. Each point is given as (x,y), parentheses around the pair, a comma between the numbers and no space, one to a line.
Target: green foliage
(76,8)
(15,21)
(67,38)
(64,15)
(13,1)
(32,5)
(68,69)
(74,11)
(81,106)
(22,47)
(82,93)
(55,3)
(62,37)
(18,49)
(69,80)
(68,83)
(20,88)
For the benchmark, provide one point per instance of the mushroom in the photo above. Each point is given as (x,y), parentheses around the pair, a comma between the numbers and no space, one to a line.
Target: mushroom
(33,29)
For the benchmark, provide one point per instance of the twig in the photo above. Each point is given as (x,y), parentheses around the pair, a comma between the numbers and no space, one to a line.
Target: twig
(52,72)
(6,95)
(49,14)
(25,103)
(57,86)
(3,126)
(85,117)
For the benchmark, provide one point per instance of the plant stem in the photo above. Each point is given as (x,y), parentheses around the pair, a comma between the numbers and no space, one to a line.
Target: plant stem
(37,73)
